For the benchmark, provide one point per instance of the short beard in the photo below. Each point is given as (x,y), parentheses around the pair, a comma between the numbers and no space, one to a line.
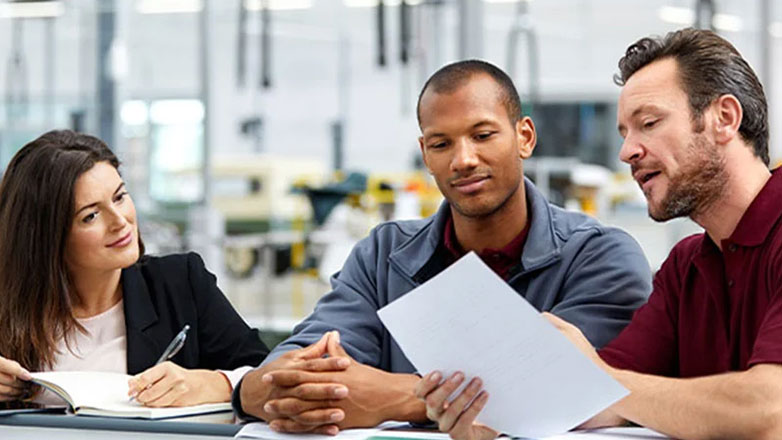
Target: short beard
(701,182)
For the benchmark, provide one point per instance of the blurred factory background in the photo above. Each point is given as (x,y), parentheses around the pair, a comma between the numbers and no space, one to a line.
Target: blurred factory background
(271,135)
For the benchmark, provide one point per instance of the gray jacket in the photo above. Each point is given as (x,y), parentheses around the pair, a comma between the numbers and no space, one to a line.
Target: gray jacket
(590,275)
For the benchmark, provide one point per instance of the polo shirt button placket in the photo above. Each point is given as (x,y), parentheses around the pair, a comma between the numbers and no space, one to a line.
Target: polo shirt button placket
(732,247)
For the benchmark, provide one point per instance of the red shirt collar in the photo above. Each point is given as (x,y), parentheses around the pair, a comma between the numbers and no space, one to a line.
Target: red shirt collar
(501,261)
(763,213)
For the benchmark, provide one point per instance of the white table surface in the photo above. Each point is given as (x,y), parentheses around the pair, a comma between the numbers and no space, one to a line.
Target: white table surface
(32,432)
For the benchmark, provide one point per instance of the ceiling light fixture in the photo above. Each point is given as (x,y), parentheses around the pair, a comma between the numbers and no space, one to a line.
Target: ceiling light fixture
(686,17)
(373,3)
(43,9)
(169,6)
(277,5)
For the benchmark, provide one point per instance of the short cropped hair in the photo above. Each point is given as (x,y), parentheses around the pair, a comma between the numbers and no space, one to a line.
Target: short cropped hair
(709,67)
(450,78)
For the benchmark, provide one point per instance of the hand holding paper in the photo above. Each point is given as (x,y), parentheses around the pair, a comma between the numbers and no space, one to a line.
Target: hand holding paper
(456,417)
(468,319)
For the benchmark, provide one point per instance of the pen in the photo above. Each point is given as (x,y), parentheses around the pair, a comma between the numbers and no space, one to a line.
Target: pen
(174,346)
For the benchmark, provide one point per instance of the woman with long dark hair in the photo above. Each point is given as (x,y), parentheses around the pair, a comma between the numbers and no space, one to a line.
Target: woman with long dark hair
(77,292)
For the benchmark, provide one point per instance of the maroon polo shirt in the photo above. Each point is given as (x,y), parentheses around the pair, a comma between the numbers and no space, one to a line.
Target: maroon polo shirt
(501,261)
(710,311)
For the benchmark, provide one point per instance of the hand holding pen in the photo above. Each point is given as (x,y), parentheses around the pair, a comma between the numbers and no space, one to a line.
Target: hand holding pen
(168,384)
(165,382)
(144,381)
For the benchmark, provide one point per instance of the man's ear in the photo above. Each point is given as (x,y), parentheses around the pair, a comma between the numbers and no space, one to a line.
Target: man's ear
(728,115)
(526,136)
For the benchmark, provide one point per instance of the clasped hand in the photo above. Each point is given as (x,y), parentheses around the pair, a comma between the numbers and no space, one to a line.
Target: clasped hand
(303,391)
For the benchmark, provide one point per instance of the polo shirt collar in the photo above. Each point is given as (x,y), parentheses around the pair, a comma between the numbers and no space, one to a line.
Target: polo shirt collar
(761,216)
(540,248)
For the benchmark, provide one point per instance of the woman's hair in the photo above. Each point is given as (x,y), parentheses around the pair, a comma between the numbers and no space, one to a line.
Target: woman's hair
(36,214)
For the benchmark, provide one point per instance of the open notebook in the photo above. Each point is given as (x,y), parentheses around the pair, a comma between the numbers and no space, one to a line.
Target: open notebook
(106,394)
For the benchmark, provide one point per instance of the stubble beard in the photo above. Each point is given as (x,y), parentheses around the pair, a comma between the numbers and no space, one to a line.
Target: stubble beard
(481,212)
(701,182)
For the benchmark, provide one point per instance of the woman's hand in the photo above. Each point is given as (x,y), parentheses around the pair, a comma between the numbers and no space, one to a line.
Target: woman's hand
(12,376)
(456,417)
(168,384)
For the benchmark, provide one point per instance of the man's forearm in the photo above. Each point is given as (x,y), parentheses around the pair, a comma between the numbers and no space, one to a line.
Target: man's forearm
(732,405)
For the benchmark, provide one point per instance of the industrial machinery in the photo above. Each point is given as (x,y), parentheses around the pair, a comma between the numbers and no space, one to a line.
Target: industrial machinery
(255,197)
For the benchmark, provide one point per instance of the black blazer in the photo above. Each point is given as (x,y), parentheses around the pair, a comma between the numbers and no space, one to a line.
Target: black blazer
(162,294)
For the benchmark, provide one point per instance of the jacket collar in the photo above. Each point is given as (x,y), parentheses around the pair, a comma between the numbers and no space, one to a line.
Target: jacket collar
(139,311)
(140,316)
(540,249)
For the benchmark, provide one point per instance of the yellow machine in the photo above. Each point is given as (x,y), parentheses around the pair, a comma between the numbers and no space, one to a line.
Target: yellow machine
(253,192)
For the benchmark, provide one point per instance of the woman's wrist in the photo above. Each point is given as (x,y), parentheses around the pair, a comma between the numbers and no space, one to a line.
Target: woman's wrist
(214,385)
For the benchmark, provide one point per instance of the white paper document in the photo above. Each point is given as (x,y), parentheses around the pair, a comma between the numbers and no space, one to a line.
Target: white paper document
(468,319)
(611,434)
(392,431)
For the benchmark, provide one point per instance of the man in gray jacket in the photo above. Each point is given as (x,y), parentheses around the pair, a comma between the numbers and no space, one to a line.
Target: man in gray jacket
(474,140)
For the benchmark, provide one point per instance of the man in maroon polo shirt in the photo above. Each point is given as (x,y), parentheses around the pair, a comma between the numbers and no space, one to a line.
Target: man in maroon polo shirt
(703,358)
